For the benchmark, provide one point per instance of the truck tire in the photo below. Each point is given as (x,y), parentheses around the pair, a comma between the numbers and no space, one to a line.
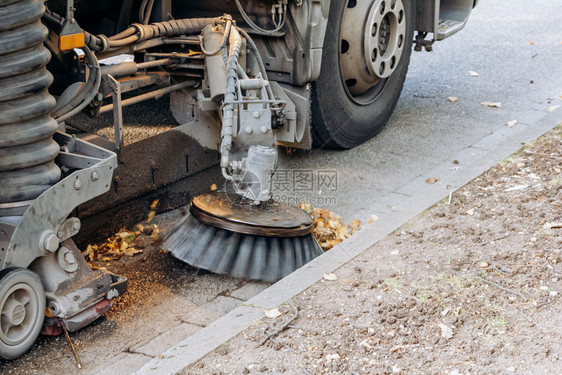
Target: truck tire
(364,64)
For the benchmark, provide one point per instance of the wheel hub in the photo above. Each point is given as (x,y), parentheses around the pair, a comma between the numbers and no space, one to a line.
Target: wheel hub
(15,313)
(371,44)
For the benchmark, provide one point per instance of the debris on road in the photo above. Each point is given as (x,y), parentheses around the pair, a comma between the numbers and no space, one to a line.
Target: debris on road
(492,104)
(328,227)
(122,243)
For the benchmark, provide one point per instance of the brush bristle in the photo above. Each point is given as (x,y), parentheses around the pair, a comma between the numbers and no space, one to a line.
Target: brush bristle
(239,255)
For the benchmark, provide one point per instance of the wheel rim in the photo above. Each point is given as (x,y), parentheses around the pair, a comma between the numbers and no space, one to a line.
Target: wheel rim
(372,39)
(18,314)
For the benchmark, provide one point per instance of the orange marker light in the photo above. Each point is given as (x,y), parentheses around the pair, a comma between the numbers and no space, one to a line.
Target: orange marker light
(71,41)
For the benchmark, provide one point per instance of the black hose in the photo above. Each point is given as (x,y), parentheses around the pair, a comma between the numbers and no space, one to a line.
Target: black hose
(138,33)
(93,88)
(27,150)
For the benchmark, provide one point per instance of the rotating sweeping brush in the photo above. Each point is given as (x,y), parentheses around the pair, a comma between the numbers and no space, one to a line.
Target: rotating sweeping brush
(224,235)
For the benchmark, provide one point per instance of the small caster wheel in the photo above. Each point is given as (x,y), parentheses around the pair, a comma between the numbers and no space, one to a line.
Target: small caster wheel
(22,311)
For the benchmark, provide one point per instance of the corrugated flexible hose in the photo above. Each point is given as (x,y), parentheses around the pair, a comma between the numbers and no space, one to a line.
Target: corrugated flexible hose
(27,149)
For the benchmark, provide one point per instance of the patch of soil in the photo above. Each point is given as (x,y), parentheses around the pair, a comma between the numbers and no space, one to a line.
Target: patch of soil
(469,287)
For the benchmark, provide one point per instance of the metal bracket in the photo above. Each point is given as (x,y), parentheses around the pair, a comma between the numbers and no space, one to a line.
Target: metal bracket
(421,42)
(115,87)
(93,170)
(70,11)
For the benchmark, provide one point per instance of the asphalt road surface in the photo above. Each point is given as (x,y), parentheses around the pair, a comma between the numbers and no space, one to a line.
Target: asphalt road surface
(516,49)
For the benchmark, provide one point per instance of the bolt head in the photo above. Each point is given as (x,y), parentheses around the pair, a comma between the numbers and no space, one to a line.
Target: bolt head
(51,242)
(77,184)
(95,175)
(76,226)
(263,129)
(69,258)
(248,130)
(256,114)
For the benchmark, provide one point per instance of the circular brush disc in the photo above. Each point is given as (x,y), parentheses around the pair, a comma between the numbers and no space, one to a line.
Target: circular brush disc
(233,213)
(265,242)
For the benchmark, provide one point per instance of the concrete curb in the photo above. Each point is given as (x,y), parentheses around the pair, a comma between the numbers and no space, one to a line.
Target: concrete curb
(411,199)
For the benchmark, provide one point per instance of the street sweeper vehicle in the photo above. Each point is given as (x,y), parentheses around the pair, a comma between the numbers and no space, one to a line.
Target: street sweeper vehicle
(244,76)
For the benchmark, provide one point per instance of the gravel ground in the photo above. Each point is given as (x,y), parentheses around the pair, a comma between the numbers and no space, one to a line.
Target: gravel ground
(470,286)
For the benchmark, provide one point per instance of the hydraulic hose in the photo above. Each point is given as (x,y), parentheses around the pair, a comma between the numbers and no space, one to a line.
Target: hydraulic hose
(138,33)
(235,41)
(88,92)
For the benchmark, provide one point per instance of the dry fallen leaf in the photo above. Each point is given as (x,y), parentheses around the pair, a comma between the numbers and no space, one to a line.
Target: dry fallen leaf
(511,124)
(273,313)
(328,227)
(150,216)
(214,187)
(446,331)
(330,276)
(553,108)
(431,180)
(492,104)
(355,223)
(154,204)
(453,99)
(119,244)
(473,74)
(531,43)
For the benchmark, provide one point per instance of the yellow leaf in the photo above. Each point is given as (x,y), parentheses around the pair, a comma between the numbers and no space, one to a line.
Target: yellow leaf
(214,187)
(154,204)
(432,180)
(130,238)
(150,216)
(125,234)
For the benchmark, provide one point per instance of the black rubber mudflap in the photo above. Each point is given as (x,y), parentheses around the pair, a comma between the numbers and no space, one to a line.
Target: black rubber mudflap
(239,255)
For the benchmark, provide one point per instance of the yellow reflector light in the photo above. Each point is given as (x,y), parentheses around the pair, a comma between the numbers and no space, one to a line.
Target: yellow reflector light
(71,41)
